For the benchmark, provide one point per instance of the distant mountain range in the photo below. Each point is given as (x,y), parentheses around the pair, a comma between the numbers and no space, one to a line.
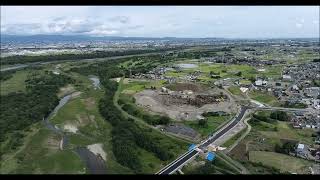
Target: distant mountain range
(61,38)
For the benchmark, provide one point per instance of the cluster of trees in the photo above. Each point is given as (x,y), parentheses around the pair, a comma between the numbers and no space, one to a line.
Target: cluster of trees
(156,119)
(275,115)
(287,104)
(126,135)
(4,75)
(215,113)
(195,54)
(20,59)
(280,116)
(207,168)
(146,63)
(286,147)
(203,123)
(20,110)
(238,73)
(316,82)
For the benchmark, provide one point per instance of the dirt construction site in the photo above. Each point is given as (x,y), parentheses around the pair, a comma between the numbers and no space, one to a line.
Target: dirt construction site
(185,101)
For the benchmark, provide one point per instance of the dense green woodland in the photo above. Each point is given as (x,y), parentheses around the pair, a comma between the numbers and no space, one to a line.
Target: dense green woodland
(20,110)
(5,75)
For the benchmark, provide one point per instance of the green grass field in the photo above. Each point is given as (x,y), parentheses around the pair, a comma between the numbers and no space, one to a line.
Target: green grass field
(42,155)
(134,86)
(264,98)
(283,162)
(227,71)
(15,83)
(285,131)
(213,123)
(235,90)
(272,72)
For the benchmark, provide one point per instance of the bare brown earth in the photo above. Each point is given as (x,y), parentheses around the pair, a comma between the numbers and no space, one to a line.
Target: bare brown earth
(89,103)
(53,142)
(180,109)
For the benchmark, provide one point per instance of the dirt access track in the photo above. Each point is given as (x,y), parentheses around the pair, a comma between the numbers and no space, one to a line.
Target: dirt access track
(155,101)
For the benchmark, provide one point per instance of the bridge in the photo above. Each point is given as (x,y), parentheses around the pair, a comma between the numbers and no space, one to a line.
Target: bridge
(189,155)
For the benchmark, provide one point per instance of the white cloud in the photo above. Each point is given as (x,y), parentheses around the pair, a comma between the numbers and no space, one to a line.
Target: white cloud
(102,32)
(299,25)
(157,21)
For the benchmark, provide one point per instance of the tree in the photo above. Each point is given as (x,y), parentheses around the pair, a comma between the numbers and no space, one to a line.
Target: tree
(279,115)
(203,123)
(207,168)
(252,79)
(239,73)
(164,120)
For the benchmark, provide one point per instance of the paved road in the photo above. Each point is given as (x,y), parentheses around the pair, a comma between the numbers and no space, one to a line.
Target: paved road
(173,166)
(226,129)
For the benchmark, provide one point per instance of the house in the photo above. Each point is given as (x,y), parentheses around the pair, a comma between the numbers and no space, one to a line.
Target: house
(244,89)
(295,88)
(302,150)
(286,77)
(299,113)
(260,82)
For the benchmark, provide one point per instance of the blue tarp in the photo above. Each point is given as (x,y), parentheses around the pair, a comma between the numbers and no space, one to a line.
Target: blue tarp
(211,156)
(192,147)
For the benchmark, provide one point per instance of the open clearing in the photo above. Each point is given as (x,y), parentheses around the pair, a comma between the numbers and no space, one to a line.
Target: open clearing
(15,83)
(283,162)
(152,101)
(264,98)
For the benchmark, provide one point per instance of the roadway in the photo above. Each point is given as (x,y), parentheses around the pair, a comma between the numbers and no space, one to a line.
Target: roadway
(176,164)
(179,162)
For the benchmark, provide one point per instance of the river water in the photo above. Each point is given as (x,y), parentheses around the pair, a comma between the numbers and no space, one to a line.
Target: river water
(187,66)
(95,164)
(96,82)
(47,123)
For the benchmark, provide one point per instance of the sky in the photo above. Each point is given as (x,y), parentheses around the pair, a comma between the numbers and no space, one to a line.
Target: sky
(163,21)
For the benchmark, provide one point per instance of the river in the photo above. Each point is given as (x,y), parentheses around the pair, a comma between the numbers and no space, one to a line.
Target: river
(95,164)
(96,82)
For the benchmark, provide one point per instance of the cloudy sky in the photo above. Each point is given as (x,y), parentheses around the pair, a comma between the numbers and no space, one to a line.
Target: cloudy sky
(163,21)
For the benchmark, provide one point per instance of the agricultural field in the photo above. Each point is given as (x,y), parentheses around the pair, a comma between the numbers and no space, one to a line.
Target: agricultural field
(286,163)
(263,138)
